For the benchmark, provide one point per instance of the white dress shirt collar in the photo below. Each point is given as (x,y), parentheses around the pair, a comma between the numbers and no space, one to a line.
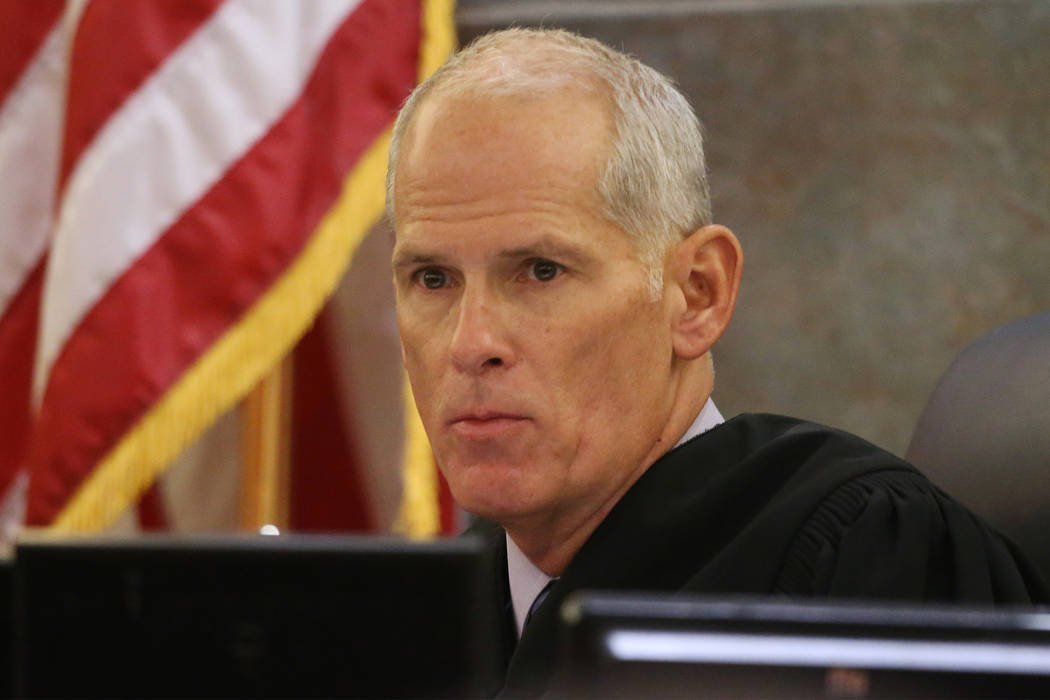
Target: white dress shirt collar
(708,418)
(527,580)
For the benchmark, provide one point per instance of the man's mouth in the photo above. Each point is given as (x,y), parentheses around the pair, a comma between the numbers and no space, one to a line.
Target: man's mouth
(486,424)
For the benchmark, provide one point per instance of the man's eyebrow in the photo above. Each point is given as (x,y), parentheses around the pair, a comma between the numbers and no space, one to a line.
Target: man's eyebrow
(547,248)
(406,257)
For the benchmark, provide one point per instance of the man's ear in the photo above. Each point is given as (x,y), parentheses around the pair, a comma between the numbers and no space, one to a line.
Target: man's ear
(705,269)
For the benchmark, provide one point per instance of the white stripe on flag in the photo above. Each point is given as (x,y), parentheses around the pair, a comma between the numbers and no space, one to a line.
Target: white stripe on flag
(205,106)
(30,134)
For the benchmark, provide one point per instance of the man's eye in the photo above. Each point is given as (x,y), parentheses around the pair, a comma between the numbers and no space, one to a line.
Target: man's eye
(544,270)
(432,278)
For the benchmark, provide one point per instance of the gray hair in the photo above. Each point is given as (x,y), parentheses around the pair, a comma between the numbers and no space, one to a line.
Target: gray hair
(654,184)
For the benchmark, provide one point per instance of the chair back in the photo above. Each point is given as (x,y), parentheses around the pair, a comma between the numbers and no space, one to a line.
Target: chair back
(984,436)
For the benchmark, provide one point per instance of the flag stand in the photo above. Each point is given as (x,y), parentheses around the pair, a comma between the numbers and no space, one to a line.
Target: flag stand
(265,451)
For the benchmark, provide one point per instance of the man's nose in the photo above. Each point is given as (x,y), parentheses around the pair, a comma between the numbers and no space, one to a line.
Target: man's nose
(479,341)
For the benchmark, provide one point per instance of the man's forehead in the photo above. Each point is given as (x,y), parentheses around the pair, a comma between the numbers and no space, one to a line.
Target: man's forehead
(499,173)
(501,155)
(552,123)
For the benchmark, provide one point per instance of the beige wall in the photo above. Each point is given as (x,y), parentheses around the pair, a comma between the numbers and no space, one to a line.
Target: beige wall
(887,167)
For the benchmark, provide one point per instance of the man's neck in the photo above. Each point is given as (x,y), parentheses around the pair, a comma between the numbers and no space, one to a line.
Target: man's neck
(527,579)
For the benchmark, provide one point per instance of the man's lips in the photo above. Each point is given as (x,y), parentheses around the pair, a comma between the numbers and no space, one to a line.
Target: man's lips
(482,425)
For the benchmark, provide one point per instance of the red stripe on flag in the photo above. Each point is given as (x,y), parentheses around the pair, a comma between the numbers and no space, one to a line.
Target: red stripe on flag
(152,514)
(118,45)
(222,254)
(18,328)
(23,28)
(326,490)
(446,506)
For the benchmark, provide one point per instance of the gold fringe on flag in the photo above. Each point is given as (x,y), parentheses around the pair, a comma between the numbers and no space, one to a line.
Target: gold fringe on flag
(439,35)
(420,513)
(236,362)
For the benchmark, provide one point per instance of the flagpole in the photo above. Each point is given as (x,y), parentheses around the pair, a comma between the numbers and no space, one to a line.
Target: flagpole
(265,451)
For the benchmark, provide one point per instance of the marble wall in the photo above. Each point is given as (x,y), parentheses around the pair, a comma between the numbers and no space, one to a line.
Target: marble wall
(886,166)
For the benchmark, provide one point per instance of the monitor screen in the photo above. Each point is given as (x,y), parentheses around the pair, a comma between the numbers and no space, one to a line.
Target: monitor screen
(285,616)
(626,645)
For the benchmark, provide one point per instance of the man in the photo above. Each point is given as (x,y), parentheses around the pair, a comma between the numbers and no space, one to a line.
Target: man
(560,285)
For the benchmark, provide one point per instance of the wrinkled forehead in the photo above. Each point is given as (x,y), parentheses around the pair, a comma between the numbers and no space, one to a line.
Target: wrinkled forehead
(492,142)
(531,70)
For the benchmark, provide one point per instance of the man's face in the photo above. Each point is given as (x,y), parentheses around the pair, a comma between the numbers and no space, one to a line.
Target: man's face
(540,365)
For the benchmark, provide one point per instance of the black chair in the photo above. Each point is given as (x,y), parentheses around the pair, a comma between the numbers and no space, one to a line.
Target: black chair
(984,436)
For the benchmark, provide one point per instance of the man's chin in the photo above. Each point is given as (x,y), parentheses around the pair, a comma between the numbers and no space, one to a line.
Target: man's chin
(497,490)
(500,505)
(497,511)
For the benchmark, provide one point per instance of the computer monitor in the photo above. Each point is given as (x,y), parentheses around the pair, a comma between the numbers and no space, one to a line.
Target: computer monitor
(6,608)
(285,616)
(647,645)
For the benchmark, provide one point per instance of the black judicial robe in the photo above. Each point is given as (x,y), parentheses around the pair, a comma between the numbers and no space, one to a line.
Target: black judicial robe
(766,504)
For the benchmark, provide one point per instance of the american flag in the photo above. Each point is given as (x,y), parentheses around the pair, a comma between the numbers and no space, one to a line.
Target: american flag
(182,184)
